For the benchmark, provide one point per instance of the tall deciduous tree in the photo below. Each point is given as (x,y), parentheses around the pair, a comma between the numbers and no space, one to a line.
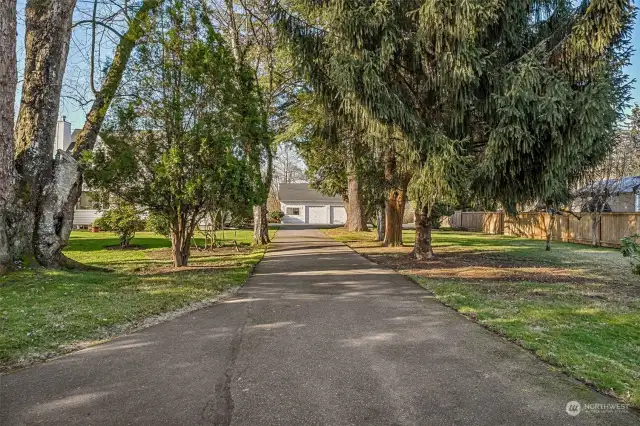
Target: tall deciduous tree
(36,212)
(253,39)
(188,142)
(65,188)
(536,86)
(337,154)
(8,83)
(288,166)
(47,35)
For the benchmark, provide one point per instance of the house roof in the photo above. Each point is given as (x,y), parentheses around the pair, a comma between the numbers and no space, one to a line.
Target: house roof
(301,192)
(74,136)
(621,186)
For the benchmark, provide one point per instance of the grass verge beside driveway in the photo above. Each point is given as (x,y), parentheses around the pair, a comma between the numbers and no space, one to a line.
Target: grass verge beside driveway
(46,312)
(576,307)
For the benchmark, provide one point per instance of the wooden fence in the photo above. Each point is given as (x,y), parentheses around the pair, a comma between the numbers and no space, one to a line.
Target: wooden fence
(568,228)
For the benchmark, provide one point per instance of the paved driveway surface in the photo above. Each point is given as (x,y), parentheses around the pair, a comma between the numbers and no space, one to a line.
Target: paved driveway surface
(318,336)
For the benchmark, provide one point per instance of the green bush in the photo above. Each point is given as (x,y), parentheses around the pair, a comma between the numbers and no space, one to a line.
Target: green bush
(122,219)
(158,224)
(631,249)
(274,216)
(242,218)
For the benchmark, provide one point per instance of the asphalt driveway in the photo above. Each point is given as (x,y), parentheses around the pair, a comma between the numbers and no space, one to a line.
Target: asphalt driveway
(318,336)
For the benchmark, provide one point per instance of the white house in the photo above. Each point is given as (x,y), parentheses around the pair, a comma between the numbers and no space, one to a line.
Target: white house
(85,213)
(302,204)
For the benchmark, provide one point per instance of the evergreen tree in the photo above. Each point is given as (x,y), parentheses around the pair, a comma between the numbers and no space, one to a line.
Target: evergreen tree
(531,89)
(339,156)
(248,26)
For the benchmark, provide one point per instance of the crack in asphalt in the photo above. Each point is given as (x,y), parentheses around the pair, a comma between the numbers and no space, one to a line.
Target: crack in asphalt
(218,410)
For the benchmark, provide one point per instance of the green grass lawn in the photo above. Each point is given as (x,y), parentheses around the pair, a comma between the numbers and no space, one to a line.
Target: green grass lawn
(577,307)
(45,312)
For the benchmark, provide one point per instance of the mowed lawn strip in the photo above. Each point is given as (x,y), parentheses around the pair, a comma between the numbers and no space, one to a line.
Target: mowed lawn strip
(577,307)
(46,312)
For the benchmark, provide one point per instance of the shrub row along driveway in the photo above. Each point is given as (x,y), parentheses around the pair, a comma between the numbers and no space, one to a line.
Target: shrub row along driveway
(319,335)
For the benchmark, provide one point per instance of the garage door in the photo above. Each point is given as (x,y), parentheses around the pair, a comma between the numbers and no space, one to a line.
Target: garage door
(338,215)
(316,215)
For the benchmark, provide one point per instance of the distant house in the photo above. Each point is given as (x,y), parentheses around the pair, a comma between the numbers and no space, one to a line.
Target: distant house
(85,211)
(302,204)
(625,198)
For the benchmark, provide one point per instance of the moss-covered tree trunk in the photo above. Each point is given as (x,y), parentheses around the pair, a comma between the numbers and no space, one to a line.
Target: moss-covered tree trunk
(8,83)
(48,33)
(55,221)
(260,223)
(423,247)
(37,222)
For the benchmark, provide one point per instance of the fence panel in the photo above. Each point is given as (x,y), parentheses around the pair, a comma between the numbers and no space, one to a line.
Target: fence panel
(580,230)
(487,222)
(567,227)
(614,226)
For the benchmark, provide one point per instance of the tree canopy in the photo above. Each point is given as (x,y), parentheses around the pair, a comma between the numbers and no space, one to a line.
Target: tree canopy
(190,139)
(532,90)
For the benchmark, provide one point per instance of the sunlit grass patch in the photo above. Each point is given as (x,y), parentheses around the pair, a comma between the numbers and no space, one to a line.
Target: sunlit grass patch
(44,311)
(577,307)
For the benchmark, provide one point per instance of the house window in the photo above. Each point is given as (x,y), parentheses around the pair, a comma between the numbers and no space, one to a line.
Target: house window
(293,211)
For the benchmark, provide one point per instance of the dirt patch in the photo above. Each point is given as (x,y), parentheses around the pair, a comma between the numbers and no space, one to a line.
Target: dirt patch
(495,268)
(479,266)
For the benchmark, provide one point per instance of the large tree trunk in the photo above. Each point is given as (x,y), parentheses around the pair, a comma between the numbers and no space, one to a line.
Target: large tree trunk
(260,225)
(182,228)
(8,83)
(396,201)
(356,220)
(422,248)
(180,248)
(56,212)
(381,223)
(48,32)
(394,214)
(55,221)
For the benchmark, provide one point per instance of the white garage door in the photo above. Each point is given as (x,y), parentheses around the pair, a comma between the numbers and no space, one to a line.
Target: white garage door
(338,215)
(316,215)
